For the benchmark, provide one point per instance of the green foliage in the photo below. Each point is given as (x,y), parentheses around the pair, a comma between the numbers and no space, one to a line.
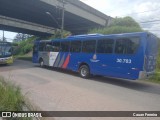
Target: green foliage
(158,62)
(24,47)
(10,97)
(14,44)
(57,34)
(125,22)
(27,48)
(25,57)
(156,77)
(116,30)
(119,25)
(158,58)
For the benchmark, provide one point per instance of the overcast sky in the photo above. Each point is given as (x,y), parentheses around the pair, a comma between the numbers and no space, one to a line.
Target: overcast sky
(145,12)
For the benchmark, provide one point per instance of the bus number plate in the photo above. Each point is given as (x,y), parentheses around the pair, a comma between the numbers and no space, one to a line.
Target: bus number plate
(128,61)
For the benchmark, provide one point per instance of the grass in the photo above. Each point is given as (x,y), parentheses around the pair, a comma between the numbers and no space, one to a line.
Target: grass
(155,78)
(27,58)
(11,98)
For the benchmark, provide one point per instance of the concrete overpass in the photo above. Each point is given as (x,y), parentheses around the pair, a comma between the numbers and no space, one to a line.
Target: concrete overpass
(29,16)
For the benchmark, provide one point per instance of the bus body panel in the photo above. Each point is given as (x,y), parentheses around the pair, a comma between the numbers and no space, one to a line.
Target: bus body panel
(75,60)
(151,54)
(117,66)
(125,66)
(62,60)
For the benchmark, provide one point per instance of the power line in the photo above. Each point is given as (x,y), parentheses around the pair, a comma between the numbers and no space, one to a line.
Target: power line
(153,30)
(150,21)
(144,11)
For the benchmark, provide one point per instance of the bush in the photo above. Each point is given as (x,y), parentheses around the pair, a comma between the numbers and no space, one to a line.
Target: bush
(10,97)
(126,21)
(158,58)
(27,48)
(119,25)
(155,77)
(115,30)
(24,47)
(158,63)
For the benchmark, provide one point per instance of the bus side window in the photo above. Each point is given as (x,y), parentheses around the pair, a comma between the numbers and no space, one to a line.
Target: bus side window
(65,46)
(56,46)
(75,46)
(49,47)
(127,45)
(89,46)
(42,46)
(105,46)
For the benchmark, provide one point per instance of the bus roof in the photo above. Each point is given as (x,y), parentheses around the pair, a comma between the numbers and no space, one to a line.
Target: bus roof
(102,35)
(86,35)
(96,35)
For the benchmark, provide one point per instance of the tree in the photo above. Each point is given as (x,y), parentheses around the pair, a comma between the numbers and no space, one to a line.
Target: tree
(119,25)
(20,37)
(126,21)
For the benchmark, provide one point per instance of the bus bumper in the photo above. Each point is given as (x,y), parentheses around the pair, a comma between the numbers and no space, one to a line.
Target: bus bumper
(144,75)
(7,60)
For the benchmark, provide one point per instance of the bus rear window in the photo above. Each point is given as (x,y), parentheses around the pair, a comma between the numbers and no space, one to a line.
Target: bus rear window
(127,45)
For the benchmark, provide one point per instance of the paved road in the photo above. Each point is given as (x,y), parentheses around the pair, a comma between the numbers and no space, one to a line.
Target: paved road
(51,89)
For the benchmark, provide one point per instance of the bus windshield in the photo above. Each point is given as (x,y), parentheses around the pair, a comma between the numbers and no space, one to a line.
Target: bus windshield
(5,49)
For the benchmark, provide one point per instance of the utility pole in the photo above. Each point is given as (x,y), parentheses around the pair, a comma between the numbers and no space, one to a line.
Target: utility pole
(53,18)
(48,13)
(3,36)
(62,25)
(63,12)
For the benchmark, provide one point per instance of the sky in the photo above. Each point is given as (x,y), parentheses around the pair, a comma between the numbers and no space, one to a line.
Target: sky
(145,12)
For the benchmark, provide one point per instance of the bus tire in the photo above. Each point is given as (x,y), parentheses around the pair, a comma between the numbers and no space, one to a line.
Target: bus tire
(41,63)
(84,71)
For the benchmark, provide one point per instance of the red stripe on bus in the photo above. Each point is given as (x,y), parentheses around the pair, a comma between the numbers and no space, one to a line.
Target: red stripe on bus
(65,64)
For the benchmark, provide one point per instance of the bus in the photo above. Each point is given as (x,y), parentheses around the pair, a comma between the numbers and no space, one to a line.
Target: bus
(128,56)
(6,56)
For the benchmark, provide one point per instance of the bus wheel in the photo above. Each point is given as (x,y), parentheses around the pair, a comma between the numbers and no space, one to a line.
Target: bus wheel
(41,63)
(84,71)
